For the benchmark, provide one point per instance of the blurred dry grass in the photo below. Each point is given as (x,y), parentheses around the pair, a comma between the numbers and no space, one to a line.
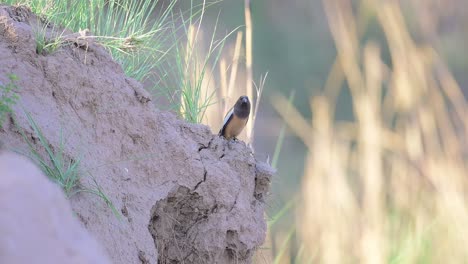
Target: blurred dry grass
(391,186)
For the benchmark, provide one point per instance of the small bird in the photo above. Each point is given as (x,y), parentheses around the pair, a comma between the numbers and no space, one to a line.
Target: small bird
(236,119)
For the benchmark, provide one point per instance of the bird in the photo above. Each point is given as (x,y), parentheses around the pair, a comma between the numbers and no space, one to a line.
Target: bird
(236,119)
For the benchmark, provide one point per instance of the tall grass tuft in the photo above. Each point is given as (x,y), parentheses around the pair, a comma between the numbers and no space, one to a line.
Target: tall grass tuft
(48,41)
(58,167)
(192,84)
(135,32)
(187,79)
(390,186)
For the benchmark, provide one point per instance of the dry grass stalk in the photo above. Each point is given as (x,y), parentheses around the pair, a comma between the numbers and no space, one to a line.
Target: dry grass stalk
(390,186)
(229,88)
(248,66)
(235,65)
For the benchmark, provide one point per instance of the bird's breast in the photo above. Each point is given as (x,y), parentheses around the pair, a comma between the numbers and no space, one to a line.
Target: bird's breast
(234,127)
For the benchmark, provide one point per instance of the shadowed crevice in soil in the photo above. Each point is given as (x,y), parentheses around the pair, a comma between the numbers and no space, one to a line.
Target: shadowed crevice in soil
(177,215)
(204,225)
(175,226)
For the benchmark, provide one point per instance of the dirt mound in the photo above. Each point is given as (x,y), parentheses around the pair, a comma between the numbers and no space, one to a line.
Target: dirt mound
(219,220)
(184,193)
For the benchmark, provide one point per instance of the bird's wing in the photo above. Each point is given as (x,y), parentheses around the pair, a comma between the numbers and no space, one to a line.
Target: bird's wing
(227,118)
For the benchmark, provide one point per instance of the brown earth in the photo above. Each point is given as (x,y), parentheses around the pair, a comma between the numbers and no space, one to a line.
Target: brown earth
(185,195)
(36,223)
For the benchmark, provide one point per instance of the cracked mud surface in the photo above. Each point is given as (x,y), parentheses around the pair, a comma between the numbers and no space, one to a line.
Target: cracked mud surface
(220,220)
(183,193)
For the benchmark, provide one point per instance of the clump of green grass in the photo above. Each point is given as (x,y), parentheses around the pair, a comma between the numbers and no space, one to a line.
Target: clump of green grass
(133,31)
(195,95)
(47,45)
(186,79)
(59,168)
(8,97)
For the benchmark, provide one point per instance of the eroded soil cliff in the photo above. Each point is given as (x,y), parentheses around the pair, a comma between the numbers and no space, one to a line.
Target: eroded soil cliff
(184,194)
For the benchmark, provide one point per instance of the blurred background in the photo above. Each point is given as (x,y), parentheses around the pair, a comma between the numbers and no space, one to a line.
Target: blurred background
(363,113)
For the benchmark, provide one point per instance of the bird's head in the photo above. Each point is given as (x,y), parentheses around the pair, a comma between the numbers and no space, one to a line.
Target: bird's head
(242,106)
